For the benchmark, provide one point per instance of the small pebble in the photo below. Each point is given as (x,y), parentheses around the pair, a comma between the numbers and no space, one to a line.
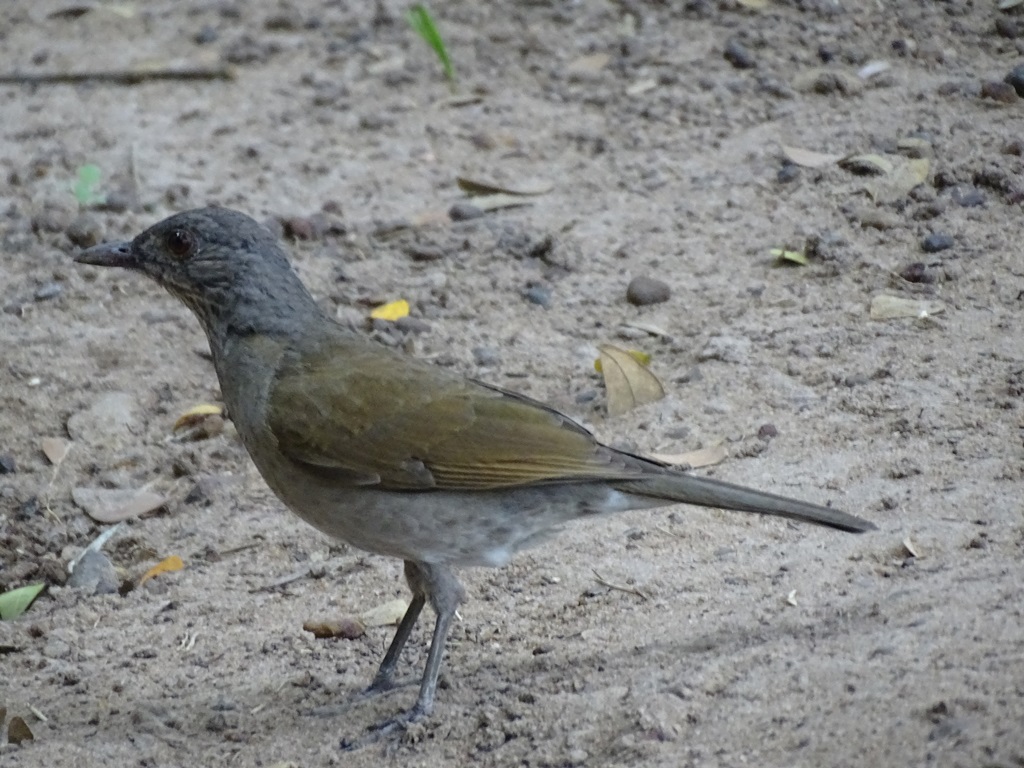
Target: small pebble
(936,241)
(85,231)
(1007,27)
(1016,79)
(409,324)
(205,36)
(968,197)
(418,252)
(95,574)
(586,396)
(464,212)
(8,466)
(787,173)
(1004,93)
(738,55)
(298,228)
(767,431)
(538,295)
(486,356)
(646,290)
(47,291)
(917,272)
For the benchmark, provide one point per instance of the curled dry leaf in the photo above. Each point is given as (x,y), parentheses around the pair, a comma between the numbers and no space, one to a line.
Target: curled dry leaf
(909,546)
(524,188)
(347,628)
(906,174)
(807,158)
(55,449)
(627,382)
(169,564)
(867,164)
(789,257)
(791,597)
(199,422)
(386,614)
(702,457)
(885,307)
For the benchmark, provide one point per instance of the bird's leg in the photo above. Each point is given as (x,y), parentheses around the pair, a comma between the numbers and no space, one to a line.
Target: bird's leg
(384,678)
(445,594)
(428,582)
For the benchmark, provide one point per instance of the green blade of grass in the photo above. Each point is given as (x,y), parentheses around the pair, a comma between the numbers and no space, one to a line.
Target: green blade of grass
(420,20)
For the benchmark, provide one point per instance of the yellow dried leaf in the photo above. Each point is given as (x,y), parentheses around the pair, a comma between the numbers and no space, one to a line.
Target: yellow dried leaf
(641,357)
(392,311)
(169,564)
(196,414)
(628,383)
(347,628)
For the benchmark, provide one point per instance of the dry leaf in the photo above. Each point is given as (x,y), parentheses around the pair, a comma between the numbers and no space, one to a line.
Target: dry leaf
(593,63)
(525,188)
(807,158)
(392,311)
(197,413)
(793,257)
(18,731)
(169,564)
(909,546)
(894,186)
(641,357)
(500,200)
(867,164)
(386,614)
(54,449)
(873,68)
(791,597)
(702,457)
(112,505)
(347,628)
(628,384)
(200,422)
(641,86)
(884,307)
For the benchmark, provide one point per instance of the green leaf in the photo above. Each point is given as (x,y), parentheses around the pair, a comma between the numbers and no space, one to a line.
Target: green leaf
(85,188)
(17,601)
(420,20)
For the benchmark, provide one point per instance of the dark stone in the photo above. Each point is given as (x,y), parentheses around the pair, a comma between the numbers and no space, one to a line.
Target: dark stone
(642,291)
(937,241)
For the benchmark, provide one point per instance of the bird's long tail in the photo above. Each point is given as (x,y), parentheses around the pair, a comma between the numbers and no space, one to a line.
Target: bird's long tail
(706,492)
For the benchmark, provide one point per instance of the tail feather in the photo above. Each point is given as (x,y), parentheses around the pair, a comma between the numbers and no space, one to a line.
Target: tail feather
(706,492)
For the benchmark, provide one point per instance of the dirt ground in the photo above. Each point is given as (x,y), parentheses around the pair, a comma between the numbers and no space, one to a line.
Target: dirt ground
(660,128)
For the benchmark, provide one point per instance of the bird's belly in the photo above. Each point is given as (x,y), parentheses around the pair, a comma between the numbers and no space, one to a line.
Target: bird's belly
(448,527)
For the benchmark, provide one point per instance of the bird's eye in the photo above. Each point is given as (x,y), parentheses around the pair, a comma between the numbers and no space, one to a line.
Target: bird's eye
(180,242)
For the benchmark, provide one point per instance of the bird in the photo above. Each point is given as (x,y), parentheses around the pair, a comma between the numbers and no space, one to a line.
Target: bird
(391,454)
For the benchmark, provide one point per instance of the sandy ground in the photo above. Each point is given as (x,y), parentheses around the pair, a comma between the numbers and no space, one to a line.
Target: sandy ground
(744,641)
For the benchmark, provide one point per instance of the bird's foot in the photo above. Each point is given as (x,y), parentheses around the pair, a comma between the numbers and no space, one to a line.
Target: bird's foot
(404,728)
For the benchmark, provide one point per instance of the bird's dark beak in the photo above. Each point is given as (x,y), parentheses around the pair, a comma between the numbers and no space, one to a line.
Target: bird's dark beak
(109,255)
